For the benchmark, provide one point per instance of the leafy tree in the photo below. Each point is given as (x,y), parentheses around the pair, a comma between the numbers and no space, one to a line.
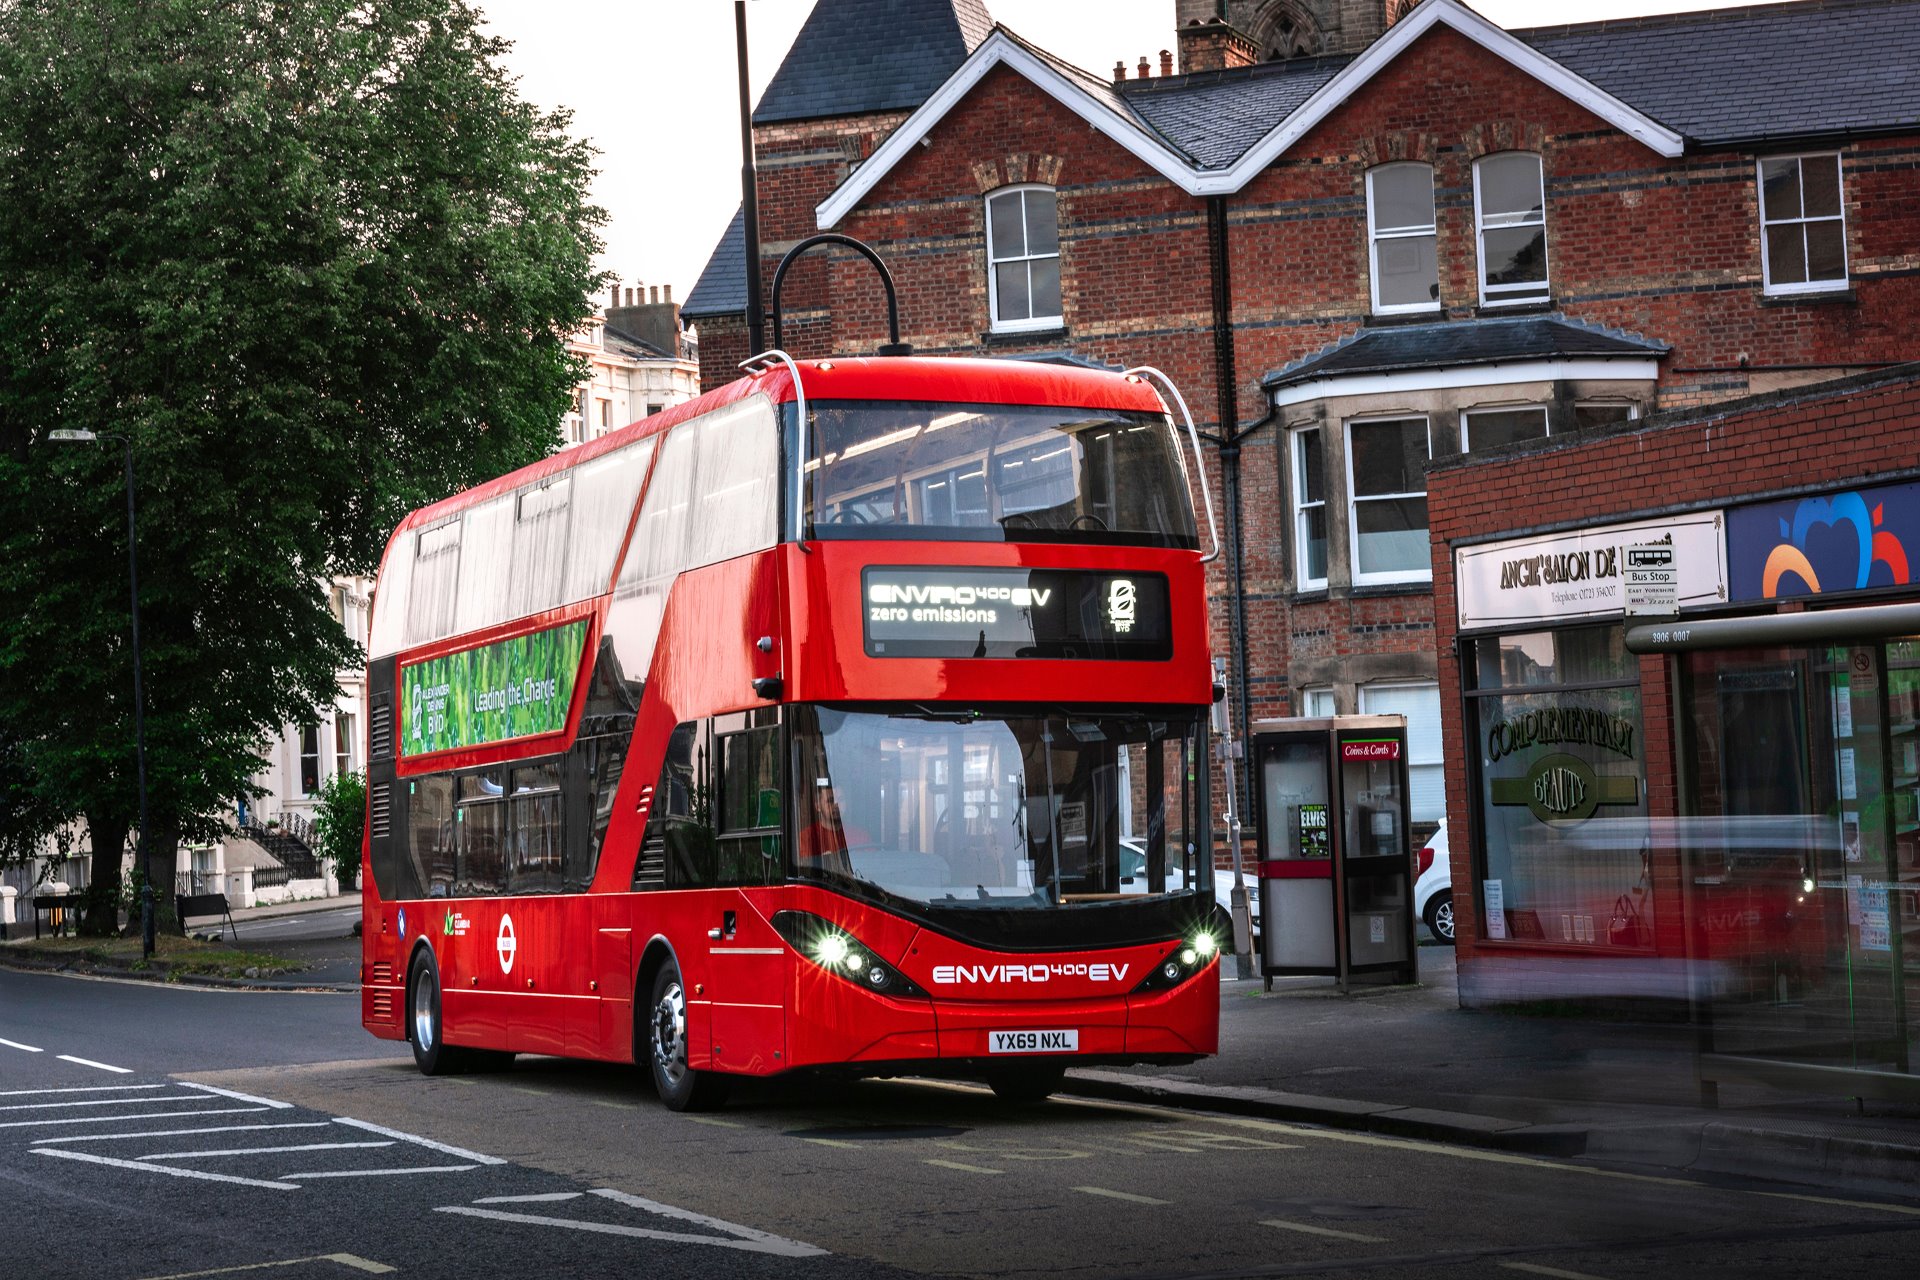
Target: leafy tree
(314,262)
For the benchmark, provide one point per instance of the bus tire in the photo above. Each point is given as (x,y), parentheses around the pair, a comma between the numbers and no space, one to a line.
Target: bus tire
(681,1087)
(1022,1082)
(426,1030)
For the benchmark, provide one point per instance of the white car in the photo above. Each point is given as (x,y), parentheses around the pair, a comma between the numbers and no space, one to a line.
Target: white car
(1133,879)
(1433,891)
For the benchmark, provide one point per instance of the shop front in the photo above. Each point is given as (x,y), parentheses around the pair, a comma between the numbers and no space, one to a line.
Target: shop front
(1697,790)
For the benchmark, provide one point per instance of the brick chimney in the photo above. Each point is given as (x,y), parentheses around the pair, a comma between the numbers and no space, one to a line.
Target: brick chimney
(1214,46)
(1166,62)
(656,323)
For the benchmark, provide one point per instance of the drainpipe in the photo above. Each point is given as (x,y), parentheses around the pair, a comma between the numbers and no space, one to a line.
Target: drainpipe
(749,188)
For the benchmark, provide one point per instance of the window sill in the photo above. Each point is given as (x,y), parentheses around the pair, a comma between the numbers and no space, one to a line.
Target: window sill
(1312,595)
(1812,298)
(1414,587)
(1009,337)
(1387,319)
(1529,307)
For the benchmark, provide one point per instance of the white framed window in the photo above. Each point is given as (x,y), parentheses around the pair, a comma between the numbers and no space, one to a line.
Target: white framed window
(342,742)
(1603,413)
(1317,701)
(1309,509)
(1387,500)
(1419,702)
(1490,428)
(1400,238)
(1510,209)
(309,760)
(1803,224)
(1023,259)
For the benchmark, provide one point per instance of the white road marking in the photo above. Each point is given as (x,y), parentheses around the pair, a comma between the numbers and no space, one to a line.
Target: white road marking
(85,1088)
(1309,1229)
(380,1173)
(963,1168)
(746,1239)
(100,1102)
(546,1197)
(716,1121)
(353,1261)
(175,1133)
(151,1115)
(1913,1210)
(832,1142)
(24,1048)
(428,1143)
(89,1062)
(261,1151)
(237,1097)
(1535,1269)
(161,1168)
(1120,1195)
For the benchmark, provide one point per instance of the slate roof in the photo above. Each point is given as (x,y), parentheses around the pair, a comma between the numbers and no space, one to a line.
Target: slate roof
(1768,71)
(722,287)
(856,56)
(1217,116)
(1454,343)
(1718,77)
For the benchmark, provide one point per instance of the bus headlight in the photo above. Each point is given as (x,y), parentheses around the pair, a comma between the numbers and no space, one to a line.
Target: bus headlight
(838,952)
(1187,958)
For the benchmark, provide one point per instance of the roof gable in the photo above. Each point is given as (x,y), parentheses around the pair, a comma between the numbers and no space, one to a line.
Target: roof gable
(1151,125)
(856,56)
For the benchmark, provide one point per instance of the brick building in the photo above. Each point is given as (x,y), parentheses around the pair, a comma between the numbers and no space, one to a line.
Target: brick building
(1361,237)
(1723,807)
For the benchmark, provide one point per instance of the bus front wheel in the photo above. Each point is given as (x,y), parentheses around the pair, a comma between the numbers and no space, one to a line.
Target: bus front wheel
(681,1087)
(1026,1081)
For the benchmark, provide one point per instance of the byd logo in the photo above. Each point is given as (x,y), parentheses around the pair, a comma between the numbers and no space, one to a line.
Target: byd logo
(953,974)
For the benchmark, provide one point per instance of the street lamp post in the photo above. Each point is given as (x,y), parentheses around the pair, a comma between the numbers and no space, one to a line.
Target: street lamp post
(139,701)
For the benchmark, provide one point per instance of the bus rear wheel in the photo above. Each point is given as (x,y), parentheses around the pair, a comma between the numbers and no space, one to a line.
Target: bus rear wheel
(425,1029)
(1021,1082)
(681,1087)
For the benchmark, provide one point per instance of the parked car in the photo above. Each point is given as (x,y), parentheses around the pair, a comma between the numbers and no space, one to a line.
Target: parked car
(1433,890)
(1133,879)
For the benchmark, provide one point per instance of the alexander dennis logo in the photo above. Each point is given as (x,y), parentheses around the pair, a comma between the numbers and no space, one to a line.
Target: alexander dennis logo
(955,974)
(1122,598)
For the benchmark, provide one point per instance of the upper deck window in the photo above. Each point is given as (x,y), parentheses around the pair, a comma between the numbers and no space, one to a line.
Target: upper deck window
(994,473)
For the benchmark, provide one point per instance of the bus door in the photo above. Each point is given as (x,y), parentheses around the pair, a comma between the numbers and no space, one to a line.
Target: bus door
(748,963)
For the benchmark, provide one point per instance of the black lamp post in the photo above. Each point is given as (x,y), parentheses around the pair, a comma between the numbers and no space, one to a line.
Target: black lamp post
(139,702)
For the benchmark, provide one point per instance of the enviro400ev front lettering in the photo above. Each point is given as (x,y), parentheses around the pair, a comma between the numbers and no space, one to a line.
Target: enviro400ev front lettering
(953,974)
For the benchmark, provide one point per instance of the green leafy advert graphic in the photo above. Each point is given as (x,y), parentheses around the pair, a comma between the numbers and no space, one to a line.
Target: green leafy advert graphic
(512,689)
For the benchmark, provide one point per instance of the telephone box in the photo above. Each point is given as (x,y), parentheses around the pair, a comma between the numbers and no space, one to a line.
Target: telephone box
(1336,861)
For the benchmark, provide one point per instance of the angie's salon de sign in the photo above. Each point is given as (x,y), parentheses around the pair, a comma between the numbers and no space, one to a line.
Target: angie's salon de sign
(1565,576)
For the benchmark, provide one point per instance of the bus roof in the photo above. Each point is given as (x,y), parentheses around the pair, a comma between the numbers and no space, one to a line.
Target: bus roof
(944,379)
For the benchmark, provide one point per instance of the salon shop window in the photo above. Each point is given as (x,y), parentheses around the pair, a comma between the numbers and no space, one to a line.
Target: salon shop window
(1561,789)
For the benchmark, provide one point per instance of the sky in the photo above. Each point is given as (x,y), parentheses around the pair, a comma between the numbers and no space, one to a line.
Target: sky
(652,84)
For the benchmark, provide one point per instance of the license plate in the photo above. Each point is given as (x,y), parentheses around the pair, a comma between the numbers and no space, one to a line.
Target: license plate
(1033,1042)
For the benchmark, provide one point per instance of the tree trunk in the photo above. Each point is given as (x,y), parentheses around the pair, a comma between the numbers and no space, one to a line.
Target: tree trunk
(162,855)
(109,837)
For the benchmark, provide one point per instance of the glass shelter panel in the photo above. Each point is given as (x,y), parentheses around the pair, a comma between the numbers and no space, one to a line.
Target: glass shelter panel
(1800,842)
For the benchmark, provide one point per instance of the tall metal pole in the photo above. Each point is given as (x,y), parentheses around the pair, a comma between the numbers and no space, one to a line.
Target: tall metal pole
(749,189)
(139,723)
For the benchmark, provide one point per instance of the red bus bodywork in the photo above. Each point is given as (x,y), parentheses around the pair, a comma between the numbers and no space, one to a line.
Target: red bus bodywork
(563,973)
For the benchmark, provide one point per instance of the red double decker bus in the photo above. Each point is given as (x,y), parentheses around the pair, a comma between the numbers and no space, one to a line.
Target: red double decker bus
(850,716)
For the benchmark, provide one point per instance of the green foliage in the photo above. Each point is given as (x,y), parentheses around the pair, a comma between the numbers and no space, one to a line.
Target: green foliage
(340,820)
(313,263)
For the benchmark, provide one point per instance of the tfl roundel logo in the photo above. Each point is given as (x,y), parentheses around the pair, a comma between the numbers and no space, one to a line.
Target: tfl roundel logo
(506,944)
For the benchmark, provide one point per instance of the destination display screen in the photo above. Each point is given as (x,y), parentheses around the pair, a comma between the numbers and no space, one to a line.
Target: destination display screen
(912,611)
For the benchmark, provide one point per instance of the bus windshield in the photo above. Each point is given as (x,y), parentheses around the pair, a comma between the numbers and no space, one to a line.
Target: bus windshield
(965,811)
(1027,473)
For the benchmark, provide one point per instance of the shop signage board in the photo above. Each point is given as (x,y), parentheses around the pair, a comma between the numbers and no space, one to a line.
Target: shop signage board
(1564,577)
(1828,544)
(1651,581)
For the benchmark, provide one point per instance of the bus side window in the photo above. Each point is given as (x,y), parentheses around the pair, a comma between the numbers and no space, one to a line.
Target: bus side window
(534,829)
(480,830)
(683,808)
(750,805)
(430,828)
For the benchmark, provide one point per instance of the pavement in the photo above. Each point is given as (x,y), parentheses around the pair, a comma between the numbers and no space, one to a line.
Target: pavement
(1408,1062)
